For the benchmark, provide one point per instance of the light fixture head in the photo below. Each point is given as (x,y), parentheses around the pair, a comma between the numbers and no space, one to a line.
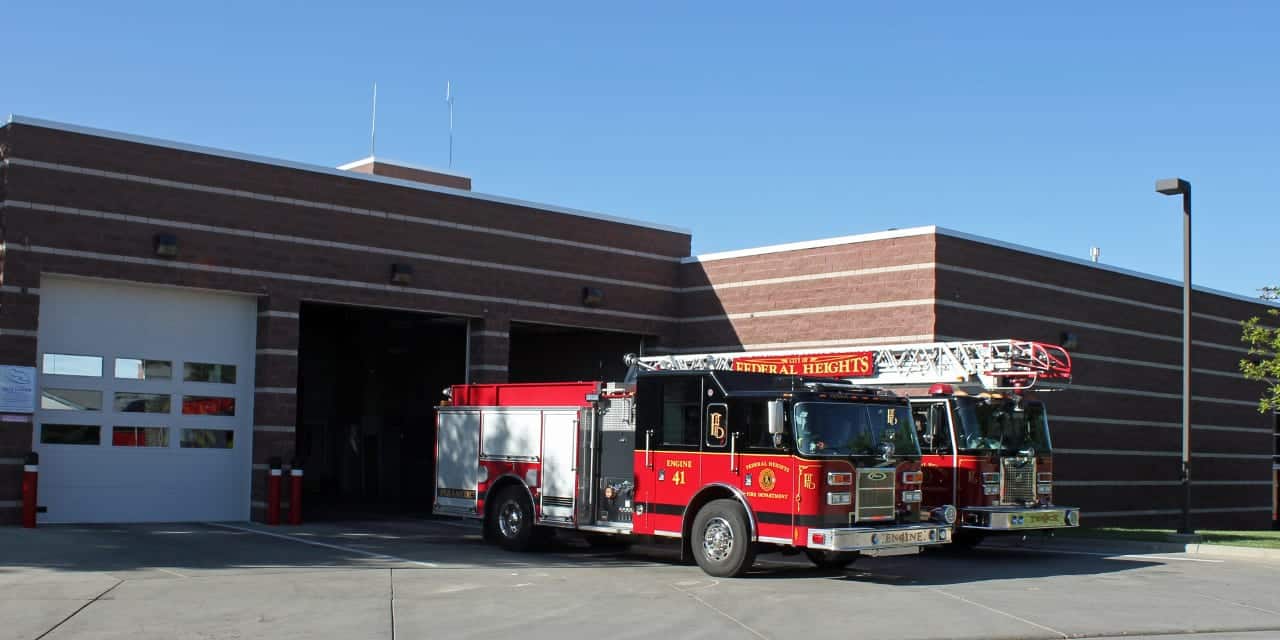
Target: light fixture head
(166,245)
(592,297)
(401,273)
(1173,186)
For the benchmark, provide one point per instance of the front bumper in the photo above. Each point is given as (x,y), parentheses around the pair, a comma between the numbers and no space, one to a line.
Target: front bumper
(1017,518)
(872,538)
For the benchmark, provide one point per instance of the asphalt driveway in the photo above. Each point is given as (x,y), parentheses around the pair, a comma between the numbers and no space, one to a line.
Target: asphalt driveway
(436,579)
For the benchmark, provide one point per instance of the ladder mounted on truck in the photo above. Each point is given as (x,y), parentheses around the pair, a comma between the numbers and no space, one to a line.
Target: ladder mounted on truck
(990,365)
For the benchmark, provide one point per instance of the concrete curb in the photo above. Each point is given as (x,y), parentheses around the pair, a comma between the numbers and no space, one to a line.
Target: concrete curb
(1109,545)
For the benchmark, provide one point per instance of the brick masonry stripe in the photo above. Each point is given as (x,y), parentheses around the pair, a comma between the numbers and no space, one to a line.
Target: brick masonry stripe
(313,242)
(1155,483)
(811,276)
(388,215)
(12,461)
(1154,365)
(1158,394)
(773,313)
(270,429)
(1169,512)
(283,390)
(333,281)
(1079,323)
(10,504)
(491,334)
(489,367)
(8,288)
(279,314)
(1080,292)
(17,333)
(1151,423)
(812,344)
(278,352)
(1160,454)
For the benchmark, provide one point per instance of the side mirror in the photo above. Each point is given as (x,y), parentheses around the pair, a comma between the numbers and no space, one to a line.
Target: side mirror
(775,417)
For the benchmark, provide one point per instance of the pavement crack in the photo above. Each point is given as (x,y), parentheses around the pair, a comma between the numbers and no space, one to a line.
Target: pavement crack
(391,578)
(1003,613)
(1238,604)
(82,608)
(720,611)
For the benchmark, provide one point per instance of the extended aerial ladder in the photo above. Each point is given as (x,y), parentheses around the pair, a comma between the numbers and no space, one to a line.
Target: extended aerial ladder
(990,365)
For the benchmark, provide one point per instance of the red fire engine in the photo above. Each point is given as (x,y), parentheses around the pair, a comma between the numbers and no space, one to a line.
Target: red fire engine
(729,463)
(986,446)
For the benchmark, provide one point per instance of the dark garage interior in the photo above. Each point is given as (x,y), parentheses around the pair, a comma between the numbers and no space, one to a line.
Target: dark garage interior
(547,353)
(368,383)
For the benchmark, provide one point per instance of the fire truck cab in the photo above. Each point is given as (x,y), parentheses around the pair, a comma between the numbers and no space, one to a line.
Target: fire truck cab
(727,462)
(991,454)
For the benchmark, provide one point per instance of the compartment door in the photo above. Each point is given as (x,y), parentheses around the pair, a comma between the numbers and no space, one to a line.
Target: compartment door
(559,436)
(457,461)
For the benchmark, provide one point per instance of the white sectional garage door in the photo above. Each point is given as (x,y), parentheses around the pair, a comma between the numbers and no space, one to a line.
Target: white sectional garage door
(146,402)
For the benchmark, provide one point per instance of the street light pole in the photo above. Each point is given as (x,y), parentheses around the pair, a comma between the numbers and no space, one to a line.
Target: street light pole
(1169,187)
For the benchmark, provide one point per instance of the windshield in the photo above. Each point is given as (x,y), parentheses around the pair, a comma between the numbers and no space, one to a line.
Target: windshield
(850,429)
(999,426)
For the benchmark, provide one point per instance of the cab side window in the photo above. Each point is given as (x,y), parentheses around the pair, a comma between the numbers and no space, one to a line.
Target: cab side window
(751,418)
(931,427)
(672,407)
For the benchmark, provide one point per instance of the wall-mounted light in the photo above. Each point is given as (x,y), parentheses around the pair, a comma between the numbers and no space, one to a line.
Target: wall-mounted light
(1069,341)
(592,297)
(166,245)
(401,273)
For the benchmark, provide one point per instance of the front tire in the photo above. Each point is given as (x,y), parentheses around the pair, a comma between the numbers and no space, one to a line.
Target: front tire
(511,520)
(721,539)
(830,559)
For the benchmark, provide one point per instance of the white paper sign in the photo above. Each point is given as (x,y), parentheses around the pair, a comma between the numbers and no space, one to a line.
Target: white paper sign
(17,389)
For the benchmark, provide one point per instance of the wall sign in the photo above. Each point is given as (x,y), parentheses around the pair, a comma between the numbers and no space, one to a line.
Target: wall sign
(17,389)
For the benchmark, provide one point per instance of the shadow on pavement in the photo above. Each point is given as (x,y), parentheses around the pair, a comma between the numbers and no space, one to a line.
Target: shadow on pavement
(451,545)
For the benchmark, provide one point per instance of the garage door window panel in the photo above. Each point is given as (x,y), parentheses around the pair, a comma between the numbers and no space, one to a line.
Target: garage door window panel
(139,437)
(208,438)
(208,406)
(71,399)
(70,434)
(206,372)
(142,402)
(60,364)
(140,369)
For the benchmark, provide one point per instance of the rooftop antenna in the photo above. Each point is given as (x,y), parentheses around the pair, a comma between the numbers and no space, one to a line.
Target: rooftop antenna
(1095,253)
(448,98)
(373,132)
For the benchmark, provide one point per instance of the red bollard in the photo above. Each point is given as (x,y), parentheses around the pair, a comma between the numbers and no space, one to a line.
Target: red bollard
(273,493)
(30,477)
(295,494)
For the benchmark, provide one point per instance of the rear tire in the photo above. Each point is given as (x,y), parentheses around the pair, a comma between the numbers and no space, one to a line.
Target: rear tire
(830,559)
(511,519)
(721,539)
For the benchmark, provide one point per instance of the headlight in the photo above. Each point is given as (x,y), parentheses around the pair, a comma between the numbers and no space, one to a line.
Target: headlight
(1046,477)
(1044,489)
(990,489)
(838,497)
(482,475)
(945,514)
(912,477)
(1073,518)
(835,478)
(912,496)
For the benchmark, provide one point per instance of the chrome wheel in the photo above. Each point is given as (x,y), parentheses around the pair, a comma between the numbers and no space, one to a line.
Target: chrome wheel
(717,539)
(510,519)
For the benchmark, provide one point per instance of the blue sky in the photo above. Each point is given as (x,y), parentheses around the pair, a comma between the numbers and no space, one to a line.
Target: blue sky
(747,123)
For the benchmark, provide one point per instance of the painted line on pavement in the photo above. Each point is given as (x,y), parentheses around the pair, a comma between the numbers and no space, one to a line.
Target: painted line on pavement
(315,543)
(1003,613)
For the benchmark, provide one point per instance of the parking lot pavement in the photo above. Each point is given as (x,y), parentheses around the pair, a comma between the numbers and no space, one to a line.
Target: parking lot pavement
(436,579)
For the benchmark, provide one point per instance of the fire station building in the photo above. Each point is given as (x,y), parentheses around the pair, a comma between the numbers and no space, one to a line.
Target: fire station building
(192,314)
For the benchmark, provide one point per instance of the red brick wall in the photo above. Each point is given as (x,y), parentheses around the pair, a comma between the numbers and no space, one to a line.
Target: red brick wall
(273,231)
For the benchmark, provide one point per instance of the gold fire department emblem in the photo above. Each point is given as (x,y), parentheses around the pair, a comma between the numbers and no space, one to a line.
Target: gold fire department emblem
(767,480)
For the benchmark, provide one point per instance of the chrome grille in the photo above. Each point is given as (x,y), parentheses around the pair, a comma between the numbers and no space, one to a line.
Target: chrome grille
(874,495)
(1018,476)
